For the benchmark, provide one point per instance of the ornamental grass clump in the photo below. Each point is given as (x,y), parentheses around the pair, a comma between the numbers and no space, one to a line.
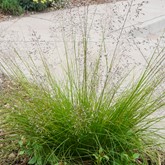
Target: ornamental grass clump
(79,121)
(83,118)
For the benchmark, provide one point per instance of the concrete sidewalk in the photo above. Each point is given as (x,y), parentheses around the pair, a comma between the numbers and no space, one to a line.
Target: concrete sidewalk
(22,32)
(44,33)
(142,21)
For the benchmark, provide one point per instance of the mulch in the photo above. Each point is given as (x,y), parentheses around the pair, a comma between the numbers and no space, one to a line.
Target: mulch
(3,16)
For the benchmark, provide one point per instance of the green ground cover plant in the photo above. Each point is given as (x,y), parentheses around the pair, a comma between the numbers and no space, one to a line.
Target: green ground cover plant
(11,7)
(32,5)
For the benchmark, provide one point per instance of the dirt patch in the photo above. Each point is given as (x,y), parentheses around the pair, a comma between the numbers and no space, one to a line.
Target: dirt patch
(4,82)
(2,17)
